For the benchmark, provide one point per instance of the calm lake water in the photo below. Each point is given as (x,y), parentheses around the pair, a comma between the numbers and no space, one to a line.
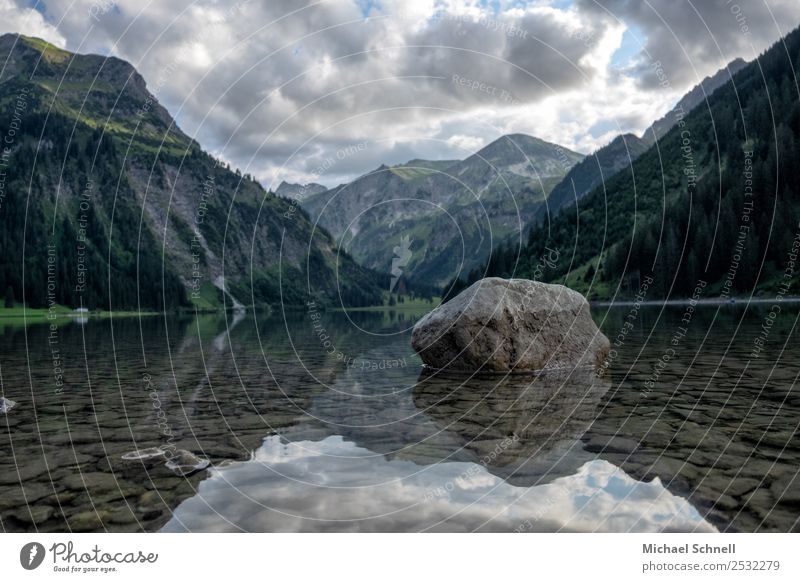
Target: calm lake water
(336,428)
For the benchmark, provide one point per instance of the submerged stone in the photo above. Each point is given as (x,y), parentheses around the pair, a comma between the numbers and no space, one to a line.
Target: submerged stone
(6,405)
(185,463)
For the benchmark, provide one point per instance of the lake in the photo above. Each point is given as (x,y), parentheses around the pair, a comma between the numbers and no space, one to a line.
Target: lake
(326,421)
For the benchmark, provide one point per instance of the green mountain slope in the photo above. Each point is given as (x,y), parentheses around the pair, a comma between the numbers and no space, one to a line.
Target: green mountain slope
(106,203)
(442,216)
(593,171)
(414,169)
(715,202)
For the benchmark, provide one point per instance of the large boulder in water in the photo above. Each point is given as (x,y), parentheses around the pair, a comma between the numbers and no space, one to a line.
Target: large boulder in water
(510,324)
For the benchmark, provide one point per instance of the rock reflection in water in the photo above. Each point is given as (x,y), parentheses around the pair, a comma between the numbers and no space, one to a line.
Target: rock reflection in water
(525,428)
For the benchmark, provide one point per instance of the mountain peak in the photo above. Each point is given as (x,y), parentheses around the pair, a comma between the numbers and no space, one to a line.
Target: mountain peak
(629,139)
(79,85)
(108,68)
(520,148)
(50,51)
(298,192)
(29,53)
(528,143)
(521,137)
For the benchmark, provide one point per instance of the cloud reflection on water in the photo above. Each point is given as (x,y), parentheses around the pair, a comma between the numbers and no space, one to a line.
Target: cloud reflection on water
(334,485)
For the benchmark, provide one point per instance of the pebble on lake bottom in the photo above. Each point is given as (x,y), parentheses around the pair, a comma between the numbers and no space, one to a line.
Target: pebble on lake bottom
(6,405)
(185,463)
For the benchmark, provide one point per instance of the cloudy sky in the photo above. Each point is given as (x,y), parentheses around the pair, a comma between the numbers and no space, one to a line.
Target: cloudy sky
(307,90)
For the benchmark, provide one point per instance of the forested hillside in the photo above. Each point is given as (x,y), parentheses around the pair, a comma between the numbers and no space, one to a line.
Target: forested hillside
(593,171)
(717,200)
(105,203)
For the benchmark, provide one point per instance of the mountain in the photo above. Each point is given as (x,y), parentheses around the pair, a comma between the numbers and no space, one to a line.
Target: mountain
(419,168)
(515,162)
(428,220)
(714,210)
(298,192)
(108,204)
(594,170)
(692,99)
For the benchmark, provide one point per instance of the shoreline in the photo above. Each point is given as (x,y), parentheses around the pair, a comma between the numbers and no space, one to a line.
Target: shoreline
(36,314)
(733,301)
(385,308)
(41,313)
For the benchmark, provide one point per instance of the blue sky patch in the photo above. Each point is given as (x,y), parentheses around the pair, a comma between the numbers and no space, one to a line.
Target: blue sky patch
(632,41)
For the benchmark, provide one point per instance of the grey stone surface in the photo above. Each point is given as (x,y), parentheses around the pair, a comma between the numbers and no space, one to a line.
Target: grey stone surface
(510,324)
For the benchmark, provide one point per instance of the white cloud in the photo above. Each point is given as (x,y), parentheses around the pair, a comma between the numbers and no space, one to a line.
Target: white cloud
(27,21)
(255,81)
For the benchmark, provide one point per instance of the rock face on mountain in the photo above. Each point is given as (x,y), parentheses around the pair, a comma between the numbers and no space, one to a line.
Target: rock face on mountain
(298,192)
(504,325)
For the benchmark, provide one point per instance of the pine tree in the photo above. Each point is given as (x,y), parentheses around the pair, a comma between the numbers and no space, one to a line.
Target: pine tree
(10,301)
